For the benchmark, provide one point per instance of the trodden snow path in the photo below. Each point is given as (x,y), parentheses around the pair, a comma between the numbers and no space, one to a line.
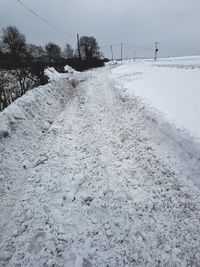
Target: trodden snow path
(96,193)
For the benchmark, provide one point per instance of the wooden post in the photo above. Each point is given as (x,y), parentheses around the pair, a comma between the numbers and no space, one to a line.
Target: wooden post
(134,55)
(156,50)
(111,52)
(78,44)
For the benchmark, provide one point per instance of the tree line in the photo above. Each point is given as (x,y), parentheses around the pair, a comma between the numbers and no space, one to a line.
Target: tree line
(26,62)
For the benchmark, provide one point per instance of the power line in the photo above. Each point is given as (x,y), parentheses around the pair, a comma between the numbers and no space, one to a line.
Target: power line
(108,46)
(120,45)
(180,41)
(103,47)
(139,47)
(148,48)
(44,20)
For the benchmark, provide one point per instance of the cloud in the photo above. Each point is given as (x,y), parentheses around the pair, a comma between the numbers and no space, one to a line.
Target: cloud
(139,22)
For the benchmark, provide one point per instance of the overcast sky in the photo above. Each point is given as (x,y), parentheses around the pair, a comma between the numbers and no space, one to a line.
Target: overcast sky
(174,23)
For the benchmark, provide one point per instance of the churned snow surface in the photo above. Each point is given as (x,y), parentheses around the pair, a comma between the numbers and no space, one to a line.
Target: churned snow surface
(89,178)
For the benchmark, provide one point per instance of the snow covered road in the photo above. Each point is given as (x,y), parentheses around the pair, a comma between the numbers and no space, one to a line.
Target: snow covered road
(94,192)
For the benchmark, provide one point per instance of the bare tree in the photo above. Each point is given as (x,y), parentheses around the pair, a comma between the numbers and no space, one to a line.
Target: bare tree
(2,47)
(68,51)
(3,97)
(37,53)
(53,52)
(25,78)
(89,47)
(14,42)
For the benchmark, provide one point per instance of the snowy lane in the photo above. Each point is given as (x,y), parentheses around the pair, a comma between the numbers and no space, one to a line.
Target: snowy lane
(98,195)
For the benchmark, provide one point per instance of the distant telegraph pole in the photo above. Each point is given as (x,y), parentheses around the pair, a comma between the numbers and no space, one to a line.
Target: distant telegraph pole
(111,52)
(78,44)
(134,55)
(121,52)
(156,50)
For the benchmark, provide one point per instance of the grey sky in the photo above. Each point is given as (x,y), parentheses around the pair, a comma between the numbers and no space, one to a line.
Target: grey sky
(137,22)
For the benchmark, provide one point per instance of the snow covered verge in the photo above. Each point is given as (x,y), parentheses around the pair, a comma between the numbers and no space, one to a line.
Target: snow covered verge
(26,111)
(24,123)
(169,91)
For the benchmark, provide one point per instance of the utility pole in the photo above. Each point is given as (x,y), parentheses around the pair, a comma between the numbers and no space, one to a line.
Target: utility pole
(134,55)
(78,44)
(156,50)
(111,52)
(121,52)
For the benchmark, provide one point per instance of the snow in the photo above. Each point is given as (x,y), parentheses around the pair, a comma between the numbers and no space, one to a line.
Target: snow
(172,86)
(86,180)
(4,128)
(52,74)
(169,90)
(69,69)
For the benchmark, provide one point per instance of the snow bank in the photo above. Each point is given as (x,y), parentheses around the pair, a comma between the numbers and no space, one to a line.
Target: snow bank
(169,91)
(69,70)
(52,74)
(181,136)
(112,62)
(38,107)
(55,76)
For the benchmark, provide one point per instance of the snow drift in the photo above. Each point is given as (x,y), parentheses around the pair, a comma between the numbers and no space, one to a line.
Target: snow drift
(36,110)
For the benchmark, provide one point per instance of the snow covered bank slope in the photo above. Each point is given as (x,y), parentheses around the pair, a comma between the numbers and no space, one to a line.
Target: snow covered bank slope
(36,109)
(171,90)
(26,120)
(23,126)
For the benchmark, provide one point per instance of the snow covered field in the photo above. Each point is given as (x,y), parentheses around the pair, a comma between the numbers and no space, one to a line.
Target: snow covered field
(171,85)
(89,177)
